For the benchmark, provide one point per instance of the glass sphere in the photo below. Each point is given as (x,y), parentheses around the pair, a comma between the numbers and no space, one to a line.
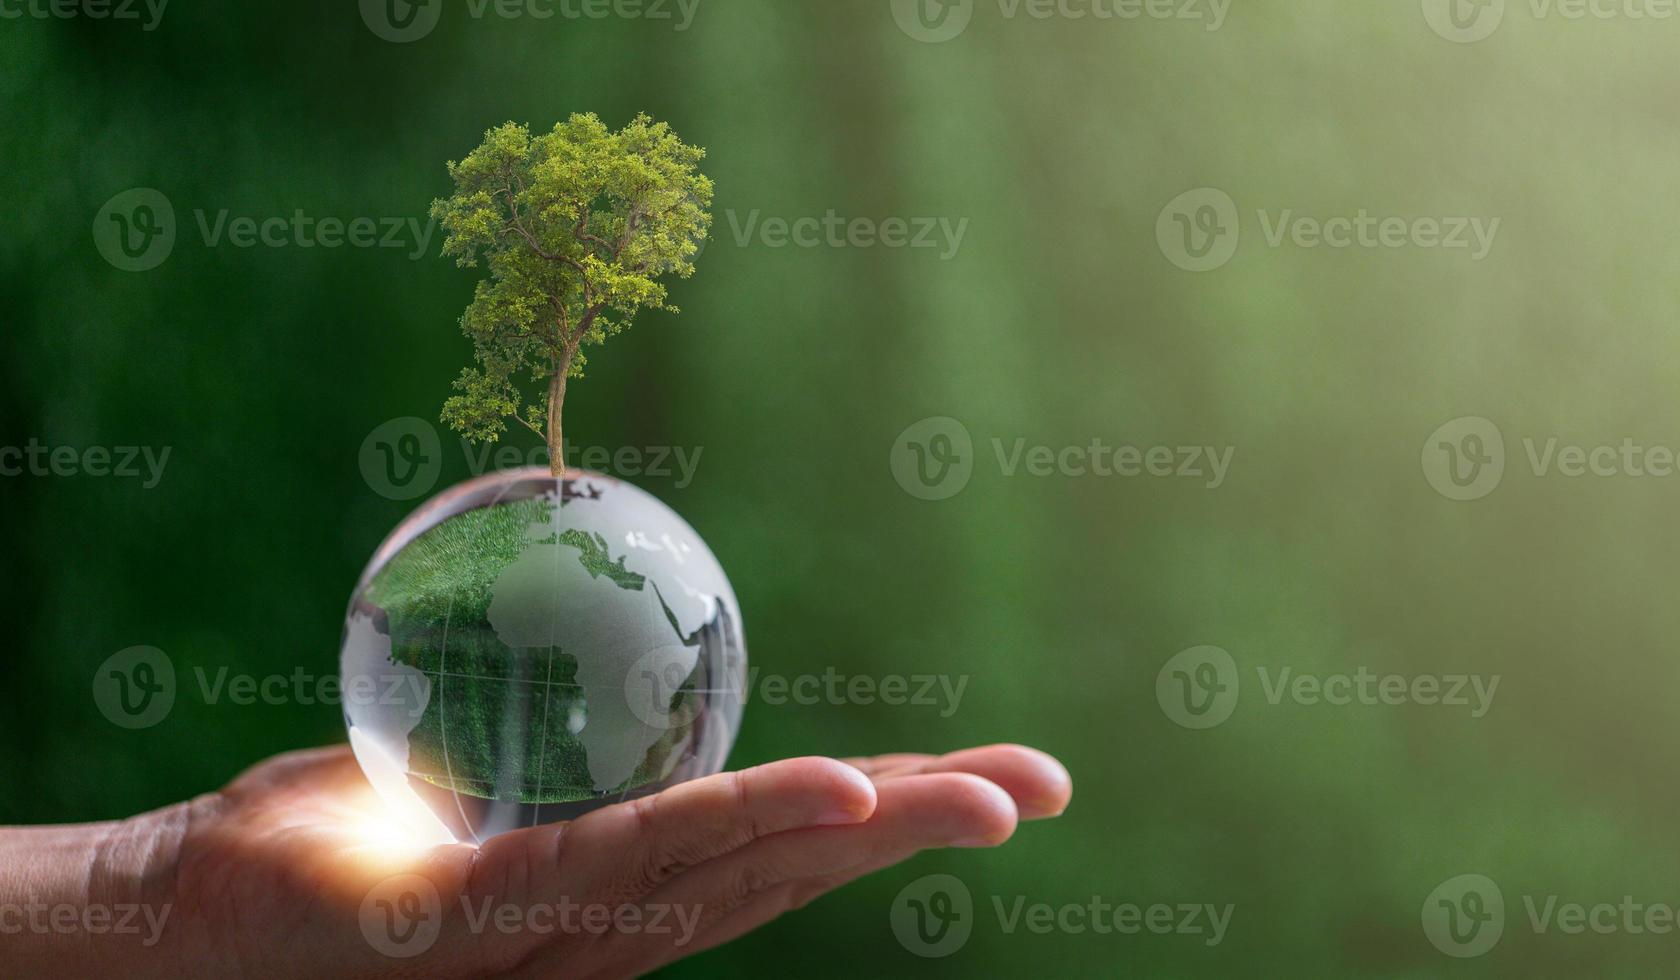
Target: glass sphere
(524,648)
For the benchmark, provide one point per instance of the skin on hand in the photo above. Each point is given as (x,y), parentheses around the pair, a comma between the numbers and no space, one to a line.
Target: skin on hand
(294,870)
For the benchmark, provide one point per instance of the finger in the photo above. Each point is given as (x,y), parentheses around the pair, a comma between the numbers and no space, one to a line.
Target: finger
(1040,785)
(332,764)
(912,814)
(878,765)
(625,851)
(1037,782)
(787,897)
(766,908)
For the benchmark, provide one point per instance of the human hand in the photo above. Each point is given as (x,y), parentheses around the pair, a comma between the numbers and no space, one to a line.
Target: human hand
(291,870)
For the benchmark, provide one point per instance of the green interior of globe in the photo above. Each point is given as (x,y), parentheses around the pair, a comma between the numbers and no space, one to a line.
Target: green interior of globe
(502,722)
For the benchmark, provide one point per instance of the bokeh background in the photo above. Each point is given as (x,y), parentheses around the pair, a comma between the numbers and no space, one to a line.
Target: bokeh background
(1060,319)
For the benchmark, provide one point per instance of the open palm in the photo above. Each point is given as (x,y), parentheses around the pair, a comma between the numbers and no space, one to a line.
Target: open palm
(290,870)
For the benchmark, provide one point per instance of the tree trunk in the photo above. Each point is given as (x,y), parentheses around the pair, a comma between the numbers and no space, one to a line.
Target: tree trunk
(557,401)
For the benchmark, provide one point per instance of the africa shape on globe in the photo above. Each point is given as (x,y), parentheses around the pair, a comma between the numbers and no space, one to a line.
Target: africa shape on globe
(524,648)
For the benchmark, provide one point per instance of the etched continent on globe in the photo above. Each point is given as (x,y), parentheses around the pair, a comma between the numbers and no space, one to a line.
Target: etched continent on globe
(524,648)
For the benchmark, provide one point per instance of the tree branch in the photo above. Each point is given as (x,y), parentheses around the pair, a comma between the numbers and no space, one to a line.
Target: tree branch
(523,421)
(517,225)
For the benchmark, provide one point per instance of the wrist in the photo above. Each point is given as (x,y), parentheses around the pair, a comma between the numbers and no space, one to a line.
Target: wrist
(81,899)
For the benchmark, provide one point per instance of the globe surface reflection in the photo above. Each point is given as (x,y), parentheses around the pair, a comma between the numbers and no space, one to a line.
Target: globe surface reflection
(524,648)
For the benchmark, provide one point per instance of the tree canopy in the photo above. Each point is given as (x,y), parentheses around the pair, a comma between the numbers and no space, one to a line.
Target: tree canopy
(577,228)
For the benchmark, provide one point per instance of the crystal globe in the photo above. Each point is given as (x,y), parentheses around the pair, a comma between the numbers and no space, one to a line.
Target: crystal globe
(524,648)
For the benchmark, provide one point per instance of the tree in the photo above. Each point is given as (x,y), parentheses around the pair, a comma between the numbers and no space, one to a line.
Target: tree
(576,227)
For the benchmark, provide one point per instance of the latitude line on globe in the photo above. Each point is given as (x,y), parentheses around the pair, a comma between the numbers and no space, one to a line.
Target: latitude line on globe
(554,683)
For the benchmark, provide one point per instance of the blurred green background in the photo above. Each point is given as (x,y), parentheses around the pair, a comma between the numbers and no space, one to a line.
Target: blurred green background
(1059,320)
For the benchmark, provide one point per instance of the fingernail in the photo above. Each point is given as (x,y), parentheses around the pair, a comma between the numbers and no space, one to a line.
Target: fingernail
(859,805)
(1043,809)
(843,815)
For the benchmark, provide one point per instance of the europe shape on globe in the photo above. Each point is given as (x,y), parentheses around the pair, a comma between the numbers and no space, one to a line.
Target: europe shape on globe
(524,648)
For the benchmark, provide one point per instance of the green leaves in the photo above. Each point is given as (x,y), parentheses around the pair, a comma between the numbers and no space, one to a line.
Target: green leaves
(577,227)
(487,397)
